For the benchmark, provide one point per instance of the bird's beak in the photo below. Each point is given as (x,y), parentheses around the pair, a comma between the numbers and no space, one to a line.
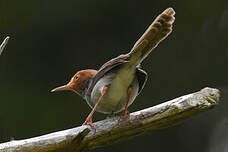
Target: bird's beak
(62,88)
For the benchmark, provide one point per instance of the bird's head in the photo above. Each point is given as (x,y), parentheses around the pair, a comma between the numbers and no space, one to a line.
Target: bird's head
(78,82)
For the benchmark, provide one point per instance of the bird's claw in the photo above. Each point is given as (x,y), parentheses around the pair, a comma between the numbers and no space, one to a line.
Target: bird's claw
(90,123)
(126,113)
(124,116)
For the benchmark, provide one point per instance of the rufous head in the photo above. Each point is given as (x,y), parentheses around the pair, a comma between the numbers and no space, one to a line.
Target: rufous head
(78,82)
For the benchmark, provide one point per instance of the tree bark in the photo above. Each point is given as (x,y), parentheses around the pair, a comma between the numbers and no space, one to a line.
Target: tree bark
(117,128)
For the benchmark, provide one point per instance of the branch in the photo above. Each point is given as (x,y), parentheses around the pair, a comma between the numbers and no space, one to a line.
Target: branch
(117,128)
(2,46)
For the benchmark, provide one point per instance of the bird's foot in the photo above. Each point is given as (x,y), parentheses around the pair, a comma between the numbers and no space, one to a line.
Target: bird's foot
(90,123)
(125,113)
(124,116)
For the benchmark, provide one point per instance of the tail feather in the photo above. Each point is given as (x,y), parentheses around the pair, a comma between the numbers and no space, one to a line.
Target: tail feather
(157,31)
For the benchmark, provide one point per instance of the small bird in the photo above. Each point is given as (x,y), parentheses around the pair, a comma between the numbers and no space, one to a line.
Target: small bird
(114,87)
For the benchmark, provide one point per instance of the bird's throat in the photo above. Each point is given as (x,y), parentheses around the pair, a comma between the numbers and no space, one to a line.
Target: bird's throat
(84,88)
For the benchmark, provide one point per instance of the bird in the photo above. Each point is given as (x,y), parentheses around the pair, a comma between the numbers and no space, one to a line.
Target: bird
(114,86)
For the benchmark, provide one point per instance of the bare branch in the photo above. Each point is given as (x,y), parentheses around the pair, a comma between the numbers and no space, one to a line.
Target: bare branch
(116,128)
(2,46)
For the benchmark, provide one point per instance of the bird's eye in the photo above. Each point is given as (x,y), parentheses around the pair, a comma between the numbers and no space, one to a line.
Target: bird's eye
(76,77)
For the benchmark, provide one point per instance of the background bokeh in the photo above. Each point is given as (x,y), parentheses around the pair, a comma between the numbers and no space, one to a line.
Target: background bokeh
(51,40)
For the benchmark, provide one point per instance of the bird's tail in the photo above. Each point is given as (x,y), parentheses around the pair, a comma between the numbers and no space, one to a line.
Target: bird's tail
(157,31)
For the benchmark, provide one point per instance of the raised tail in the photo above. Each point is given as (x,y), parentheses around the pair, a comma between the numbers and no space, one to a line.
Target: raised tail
(157,31)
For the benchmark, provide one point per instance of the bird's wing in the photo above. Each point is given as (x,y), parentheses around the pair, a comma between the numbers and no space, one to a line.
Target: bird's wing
(156,32)
(141,74)
(106,67)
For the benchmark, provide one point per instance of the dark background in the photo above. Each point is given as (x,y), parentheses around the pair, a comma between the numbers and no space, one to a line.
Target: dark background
(51,40)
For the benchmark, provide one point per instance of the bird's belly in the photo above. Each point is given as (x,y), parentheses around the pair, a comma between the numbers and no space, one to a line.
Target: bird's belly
(115,99)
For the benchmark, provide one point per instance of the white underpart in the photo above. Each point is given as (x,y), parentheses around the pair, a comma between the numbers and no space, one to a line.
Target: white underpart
(118,83)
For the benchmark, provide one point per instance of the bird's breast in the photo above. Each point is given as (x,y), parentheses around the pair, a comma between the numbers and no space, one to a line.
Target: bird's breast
(118,82)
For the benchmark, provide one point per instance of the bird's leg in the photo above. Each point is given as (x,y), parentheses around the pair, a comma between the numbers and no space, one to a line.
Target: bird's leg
(90,116)
(129,93)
